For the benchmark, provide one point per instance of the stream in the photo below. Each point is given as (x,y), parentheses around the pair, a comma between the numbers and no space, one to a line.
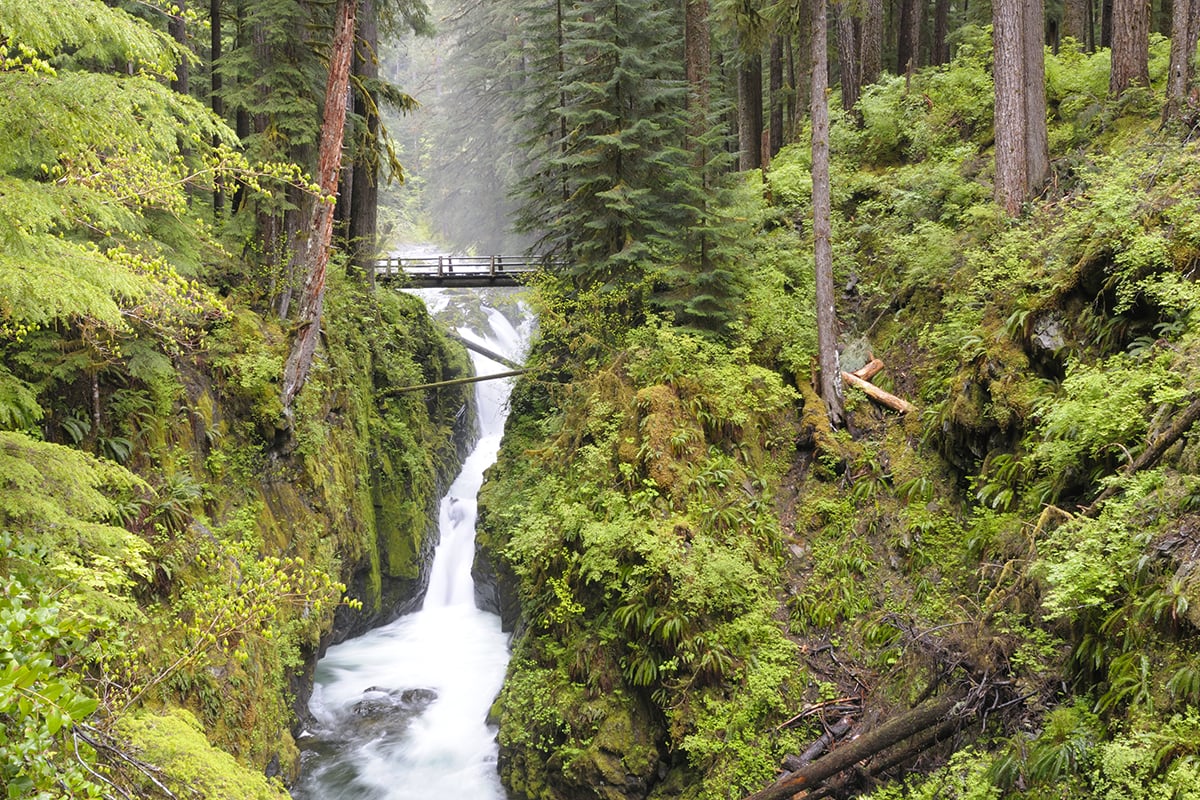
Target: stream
(400,712)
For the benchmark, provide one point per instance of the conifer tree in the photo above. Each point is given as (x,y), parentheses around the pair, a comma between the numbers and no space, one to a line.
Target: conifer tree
(628,186)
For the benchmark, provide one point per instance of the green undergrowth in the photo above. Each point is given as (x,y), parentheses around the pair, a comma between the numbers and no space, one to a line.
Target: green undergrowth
(673,569)
(182,558)
(1046,354)
(633,516)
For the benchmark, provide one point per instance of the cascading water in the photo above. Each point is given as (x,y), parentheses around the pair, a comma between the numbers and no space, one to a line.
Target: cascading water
(401,711)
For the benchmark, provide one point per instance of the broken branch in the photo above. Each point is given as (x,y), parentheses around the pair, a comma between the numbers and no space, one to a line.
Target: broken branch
(878,395)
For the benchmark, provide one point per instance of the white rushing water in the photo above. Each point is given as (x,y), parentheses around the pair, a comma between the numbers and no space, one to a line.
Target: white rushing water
(401,711)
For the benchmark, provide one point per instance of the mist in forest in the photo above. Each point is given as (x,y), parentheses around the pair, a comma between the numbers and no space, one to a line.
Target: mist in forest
(456,154)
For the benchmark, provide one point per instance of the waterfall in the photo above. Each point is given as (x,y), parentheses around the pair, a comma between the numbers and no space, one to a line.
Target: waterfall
(400,712)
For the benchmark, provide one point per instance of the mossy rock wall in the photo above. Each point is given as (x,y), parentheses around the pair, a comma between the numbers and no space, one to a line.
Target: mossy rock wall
(244,527)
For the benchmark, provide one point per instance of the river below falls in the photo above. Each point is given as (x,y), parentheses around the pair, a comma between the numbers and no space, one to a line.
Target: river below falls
(400,713)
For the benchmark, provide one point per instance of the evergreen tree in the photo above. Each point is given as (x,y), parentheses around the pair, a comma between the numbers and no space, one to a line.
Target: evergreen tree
(95,164)
(627,188)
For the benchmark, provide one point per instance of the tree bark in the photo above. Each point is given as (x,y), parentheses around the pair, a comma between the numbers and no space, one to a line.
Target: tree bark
(1130,45)
(697,57)
(1033,76)
(750,114)
(1022,149)
(871,44)
(1106,23)
(178,30)
(1180,72)
(775,70)
(1011,181)
(831,374)
(896,729)
(218,102)
(802,66)
(940,47)
(1074,20)
(313,255)
(908,45)
(849,64)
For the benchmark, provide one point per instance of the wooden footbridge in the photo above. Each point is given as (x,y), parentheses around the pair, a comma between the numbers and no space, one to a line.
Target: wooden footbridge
(466,271)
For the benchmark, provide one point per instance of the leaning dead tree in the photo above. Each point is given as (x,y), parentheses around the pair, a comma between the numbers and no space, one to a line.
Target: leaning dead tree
(312,255)
(1155,449)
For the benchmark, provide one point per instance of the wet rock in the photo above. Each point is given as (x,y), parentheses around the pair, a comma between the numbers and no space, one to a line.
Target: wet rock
(377,702)
(1047,334)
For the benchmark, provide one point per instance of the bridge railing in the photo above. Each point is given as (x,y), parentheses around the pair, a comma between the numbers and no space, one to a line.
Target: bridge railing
(447,266)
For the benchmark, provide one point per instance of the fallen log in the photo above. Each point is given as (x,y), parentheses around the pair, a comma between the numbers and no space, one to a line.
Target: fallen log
(840,704)
(834,732)
(869,370)
(878,395)
(905,752)
(453,382)
(502,360)
(892,732)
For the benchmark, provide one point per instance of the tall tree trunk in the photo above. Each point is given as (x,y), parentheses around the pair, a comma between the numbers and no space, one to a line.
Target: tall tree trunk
(940,47)
(1130,45)
(1106,23)
(849,64)
(871,45)
(1033,75)
(177,27)
(1181,70)
(218,102)
(313,255)
(831,373)
(697,59)
(775,70)
(802,68)
(750,113)
(1011,179)
(908,45)
(364,183)
(1074,19)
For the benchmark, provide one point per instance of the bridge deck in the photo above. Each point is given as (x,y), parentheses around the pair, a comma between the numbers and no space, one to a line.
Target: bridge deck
(467,271)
